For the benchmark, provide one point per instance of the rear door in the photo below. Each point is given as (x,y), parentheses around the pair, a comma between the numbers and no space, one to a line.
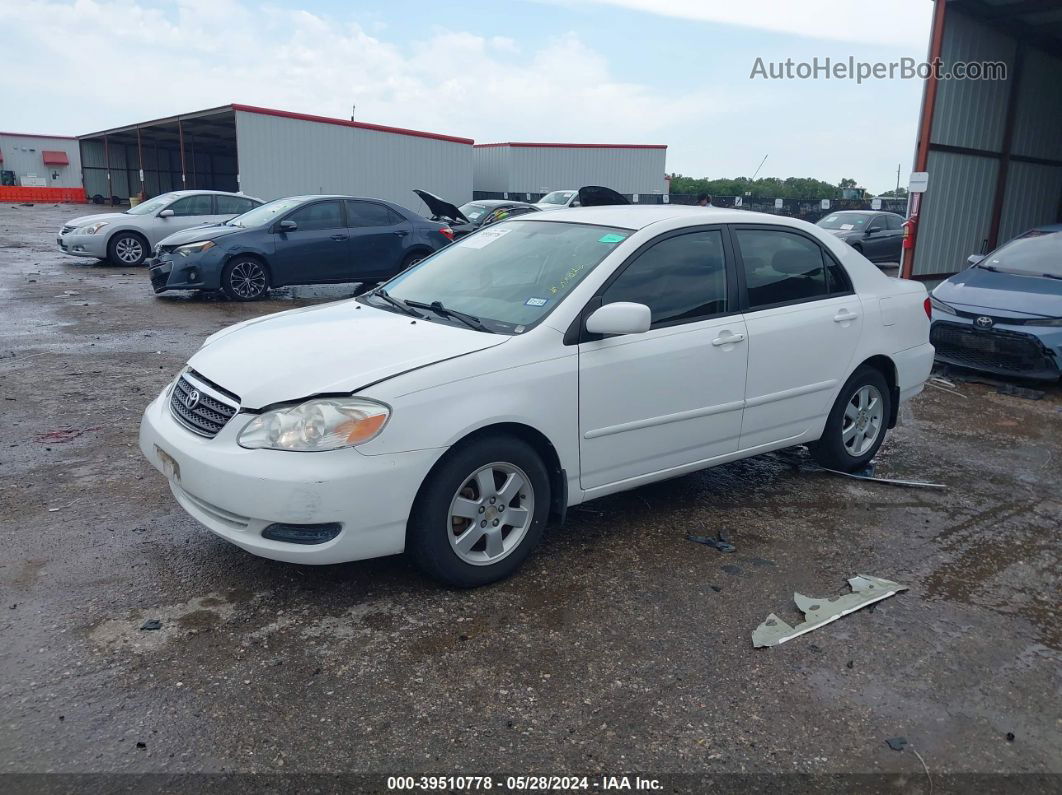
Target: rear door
(316,250)
(379,237)
(804,322)
(876,242)
(673,395)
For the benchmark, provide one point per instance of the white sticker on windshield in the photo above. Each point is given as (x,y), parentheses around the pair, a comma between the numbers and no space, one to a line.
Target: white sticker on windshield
(484,238)
(847,226)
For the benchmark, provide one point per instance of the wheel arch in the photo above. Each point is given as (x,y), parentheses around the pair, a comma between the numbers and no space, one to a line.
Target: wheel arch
(887,367)
(249,255)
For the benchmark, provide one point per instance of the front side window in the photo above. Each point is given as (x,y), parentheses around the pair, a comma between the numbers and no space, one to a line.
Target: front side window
(193,205)
(781,267)
(320,215)
(509,275)
(681,279)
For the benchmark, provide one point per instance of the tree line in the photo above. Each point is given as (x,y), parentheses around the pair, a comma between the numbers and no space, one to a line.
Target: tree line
(768,187)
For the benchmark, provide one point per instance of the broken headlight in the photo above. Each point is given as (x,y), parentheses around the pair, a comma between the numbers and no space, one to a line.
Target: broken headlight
(316,425)
(194,248)
(940,306)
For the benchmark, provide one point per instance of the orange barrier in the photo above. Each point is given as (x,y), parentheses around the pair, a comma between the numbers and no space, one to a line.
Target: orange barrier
(17,193)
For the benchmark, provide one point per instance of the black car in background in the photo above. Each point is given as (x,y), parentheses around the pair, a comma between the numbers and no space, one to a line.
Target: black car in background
(473,215)
(876,235)
(297,240)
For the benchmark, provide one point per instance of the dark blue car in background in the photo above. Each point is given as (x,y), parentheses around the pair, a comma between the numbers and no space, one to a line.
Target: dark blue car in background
(297,240)
(1003,315)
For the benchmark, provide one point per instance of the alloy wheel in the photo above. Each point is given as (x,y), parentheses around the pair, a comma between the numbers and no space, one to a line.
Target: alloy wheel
(490,514)
(129,250)
(247,279)
(863,420)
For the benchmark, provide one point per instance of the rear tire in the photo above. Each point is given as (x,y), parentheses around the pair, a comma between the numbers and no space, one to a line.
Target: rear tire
(857,423)
(413,259)
(480,512)
(245,279)
(127,248)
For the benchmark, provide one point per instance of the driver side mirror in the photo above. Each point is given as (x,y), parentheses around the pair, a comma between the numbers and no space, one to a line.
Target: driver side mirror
(873,229)
(287,226)
(973,259)
(621,317)
(166,213)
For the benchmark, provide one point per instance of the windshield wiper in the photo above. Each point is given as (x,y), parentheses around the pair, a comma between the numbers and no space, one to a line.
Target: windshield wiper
(437,307)
(992,268)
(397,303)
(1051,276)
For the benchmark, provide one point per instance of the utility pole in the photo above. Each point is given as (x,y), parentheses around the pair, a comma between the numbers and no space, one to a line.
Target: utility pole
(898,166)
(355,107)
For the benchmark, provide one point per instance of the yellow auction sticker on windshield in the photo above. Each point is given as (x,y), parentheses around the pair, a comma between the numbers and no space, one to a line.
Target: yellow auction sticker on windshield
(611,238)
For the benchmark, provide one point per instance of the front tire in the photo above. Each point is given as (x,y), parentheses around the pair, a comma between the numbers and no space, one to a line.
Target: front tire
(245,279)
(127,248)
(857,423)
(480,512)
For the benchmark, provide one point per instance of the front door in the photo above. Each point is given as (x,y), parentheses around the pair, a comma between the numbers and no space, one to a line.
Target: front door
(316,250)
(803,322)
(188,211)
(378,240)
(673,395)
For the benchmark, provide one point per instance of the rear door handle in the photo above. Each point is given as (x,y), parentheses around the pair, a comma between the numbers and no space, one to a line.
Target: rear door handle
(400,232)
(729,339)
(844,315)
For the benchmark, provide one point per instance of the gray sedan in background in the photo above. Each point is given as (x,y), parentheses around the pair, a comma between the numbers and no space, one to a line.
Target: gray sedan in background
(127,238)
(876,235)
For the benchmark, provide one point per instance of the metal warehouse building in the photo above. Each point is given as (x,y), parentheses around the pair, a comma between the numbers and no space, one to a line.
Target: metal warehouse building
(271,153)
(39,168)
(528,170)
(992,148)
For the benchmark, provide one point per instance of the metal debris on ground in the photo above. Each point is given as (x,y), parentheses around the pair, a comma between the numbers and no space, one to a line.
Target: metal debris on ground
(818,612)
(151,623)
(63,435)
(897,743)
(720,542)
(891,481)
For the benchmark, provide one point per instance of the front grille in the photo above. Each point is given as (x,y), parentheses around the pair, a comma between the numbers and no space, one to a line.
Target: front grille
(158,278)
(1009,321)
(66,230)
(210,405)
(1007,351)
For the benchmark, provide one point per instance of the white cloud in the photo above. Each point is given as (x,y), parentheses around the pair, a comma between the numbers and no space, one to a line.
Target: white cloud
(896,22)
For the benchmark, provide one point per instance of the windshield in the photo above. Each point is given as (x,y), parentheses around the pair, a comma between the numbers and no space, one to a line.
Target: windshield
(510,275)
(1036,253)
(557,197)
(473,212)
(152,205)
(844,221)
(265,214)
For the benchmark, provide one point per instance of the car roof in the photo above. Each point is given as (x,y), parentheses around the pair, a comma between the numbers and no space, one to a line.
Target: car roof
(210,192)
(864,212)
(634,216)
(496,202)
(1048,228)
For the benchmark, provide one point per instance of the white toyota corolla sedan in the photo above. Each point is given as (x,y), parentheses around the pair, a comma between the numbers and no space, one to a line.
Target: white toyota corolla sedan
(529,367)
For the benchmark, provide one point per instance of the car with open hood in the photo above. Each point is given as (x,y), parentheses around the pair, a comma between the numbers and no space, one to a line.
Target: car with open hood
(1003,314)
(528,367)
(473,215)
(297,240)
(126,238)
(586,196)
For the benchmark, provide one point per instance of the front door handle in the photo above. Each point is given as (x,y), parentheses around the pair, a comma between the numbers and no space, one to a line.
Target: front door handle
(339,237)
(729,339)
(845,316)
(400,232)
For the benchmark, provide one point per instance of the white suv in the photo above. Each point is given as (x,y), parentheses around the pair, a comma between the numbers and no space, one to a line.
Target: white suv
(127,238)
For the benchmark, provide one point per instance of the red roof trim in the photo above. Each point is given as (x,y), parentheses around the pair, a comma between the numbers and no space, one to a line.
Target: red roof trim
(54,158)
(344,123)
(34,135)
(575,146)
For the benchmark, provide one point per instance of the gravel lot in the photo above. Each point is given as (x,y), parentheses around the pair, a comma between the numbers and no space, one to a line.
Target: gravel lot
(621,647)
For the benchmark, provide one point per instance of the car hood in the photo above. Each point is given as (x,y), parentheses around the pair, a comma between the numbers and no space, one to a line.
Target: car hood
(440,208)
(81,220)
(597,196)
(328,349)
(197,234)
(984,289)
(844,234)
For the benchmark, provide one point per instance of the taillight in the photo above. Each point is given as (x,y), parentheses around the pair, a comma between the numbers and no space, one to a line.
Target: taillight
(447,232)
(929,308)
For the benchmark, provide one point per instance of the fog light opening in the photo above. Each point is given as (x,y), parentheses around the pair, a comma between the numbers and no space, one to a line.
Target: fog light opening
(302,533)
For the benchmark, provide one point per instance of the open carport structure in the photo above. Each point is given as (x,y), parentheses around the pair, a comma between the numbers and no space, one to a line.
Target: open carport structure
(992,147)
(271,153)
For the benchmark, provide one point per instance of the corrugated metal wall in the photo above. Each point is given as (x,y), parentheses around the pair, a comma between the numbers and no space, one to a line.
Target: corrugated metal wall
(285,157)
(1032,198)
(539,169)
(22,154)
(955,224)
(1038,117)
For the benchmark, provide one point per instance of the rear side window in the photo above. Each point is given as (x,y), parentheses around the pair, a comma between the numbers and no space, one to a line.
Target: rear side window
(233,205)
(322,215)
(781,267)
(371,214)
(681,279)
(193,205)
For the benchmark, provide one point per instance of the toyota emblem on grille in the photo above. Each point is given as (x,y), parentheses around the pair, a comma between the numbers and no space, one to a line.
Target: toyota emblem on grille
(191,400)
(984,322)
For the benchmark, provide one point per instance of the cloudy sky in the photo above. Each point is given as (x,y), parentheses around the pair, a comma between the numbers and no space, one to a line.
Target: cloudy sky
(615,71)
